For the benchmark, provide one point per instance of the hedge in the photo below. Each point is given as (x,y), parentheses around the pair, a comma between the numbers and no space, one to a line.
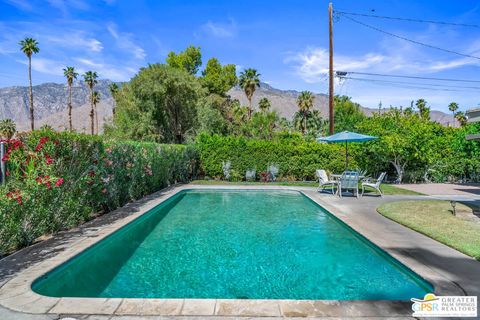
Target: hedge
(297,159)
(59,180)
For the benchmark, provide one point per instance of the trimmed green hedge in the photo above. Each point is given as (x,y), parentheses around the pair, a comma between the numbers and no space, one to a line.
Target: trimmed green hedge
(296,158)
(59,180)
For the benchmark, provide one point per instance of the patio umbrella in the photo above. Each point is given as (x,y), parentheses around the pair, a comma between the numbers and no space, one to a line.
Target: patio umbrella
(346,136)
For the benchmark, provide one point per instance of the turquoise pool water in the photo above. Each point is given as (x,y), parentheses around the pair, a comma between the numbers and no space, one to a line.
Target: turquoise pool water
(235,244)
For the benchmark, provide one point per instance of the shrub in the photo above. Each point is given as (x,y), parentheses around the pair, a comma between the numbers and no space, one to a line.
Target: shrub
(59,180)
(294,157)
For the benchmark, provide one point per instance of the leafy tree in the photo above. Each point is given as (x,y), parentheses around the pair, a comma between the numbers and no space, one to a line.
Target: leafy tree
(210,117)
(347,114)
(423,109)
(218,79)
(29,46)
(159,104)
(264,105)
(189,60)
(90,78)
(7,129)
(404,140)
(263,125)
(71,75)
(249,81)
(461,118)
(113,87)
(309,124)
(96,100)
(453,107)
(305,103)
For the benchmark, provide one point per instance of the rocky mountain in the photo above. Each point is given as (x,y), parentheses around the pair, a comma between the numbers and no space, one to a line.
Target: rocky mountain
(50,101)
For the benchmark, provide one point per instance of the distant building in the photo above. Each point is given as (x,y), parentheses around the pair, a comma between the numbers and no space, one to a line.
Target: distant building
(473,115)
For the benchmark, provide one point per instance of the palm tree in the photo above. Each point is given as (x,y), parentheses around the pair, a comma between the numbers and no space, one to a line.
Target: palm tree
(249,81)
(305,104)
(7,129)
(29,46)
(453,107)
(461,118)
(96,99)
(90,78)
(113,90)
(264,105)
(71,75)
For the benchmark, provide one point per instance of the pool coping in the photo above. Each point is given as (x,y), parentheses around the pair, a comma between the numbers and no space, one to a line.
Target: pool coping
(16,294)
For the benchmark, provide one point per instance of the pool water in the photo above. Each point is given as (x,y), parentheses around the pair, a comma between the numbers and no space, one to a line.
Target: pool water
(239,245)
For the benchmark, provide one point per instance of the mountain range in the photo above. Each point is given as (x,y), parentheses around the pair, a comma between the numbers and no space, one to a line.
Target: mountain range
(50,101)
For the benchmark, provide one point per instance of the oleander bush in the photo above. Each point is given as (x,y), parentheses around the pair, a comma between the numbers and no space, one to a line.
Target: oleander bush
(296,158)
(56,181)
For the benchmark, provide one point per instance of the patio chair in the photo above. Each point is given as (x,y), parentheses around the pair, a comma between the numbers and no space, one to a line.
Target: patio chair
(324,181)
(374,184)
(348,181)
(250,175)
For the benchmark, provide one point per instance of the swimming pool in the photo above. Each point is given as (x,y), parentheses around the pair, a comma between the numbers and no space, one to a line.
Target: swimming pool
(234,244)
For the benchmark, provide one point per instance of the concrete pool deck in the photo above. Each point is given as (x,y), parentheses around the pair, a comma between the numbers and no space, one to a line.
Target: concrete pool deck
(451,272)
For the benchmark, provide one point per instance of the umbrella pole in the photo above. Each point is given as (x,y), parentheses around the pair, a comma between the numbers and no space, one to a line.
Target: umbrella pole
(346,156)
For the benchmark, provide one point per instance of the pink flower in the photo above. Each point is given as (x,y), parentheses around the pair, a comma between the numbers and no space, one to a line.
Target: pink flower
(104,190)
(59,182)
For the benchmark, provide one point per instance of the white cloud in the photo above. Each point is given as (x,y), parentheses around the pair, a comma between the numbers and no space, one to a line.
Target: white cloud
(220,30)
(124,41)
(46,66)
(105,70)
(77,39)
(311,65)
(21,4)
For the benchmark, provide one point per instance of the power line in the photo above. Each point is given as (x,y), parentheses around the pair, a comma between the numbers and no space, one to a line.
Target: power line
(410,40)
(401,85)
(440,86)
(402,76)
(408,19)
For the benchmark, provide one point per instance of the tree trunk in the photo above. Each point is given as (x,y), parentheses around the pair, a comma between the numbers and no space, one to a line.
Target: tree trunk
(92,114)
(400,170)
(250,107)
(304,123)
(32,120)
(70,125)
(96,115)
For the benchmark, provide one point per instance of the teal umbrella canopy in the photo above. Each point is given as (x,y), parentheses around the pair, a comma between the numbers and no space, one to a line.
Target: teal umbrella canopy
(346,137)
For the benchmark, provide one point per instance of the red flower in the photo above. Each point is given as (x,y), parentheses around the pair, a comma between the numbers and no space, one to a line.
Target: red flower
(7,173)
(19,200)
(49,186)
(56,142)
(91,173)
(59,182)
(41,143)
(104,190)
(48,160)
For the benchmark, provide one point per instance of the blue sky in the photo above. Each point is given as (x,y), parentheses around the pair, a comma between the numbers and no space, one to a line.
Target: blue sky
(287,41)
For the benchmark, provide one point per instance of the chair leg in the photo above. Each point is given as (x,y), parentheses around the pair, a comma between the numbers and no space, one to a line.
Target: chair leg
(380,191)
(363,190)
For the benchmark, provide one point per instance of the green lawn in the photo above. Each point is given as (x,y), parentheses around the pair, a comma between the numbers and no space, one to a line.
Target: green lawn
(434,219)
(387,189)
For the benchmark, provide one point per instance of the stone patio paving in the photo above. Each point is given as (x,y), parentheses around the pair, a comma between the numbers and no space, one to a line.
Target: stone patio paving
(444,189)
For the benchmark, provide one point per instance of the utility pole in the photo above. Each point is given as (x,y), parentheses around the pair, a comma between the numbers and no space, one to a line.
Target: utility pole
(330,89)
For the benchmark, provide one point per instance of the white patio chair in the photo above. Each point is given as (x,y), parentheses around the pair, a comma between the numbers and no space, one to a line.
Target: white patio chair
(374,184)
(348,181)
(324,181)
